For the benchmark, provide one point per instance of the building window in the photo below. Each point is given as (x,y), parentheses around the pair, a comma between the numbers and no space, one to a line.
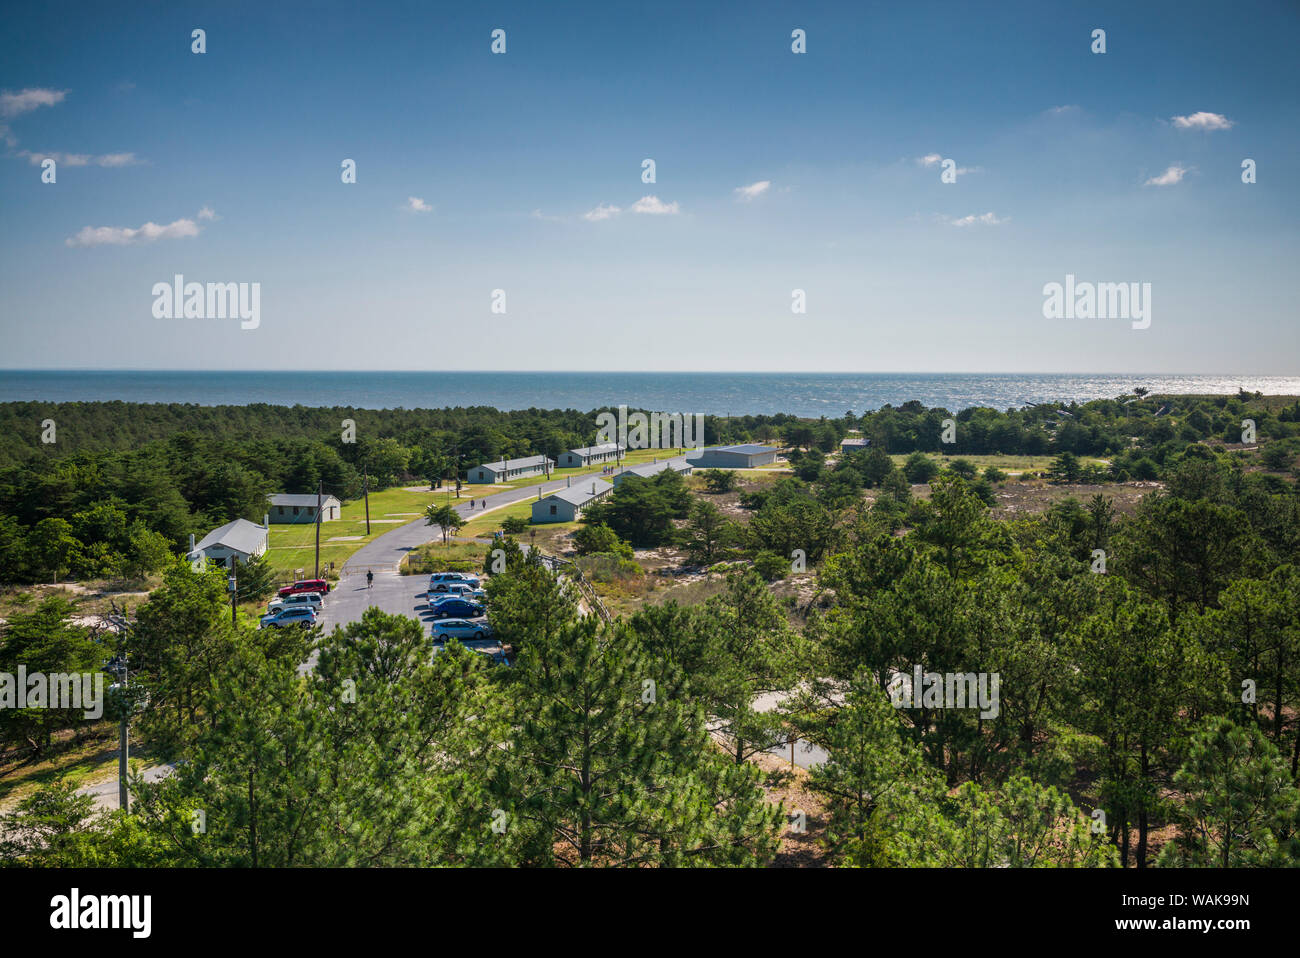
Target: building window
(295,510)
(552,510)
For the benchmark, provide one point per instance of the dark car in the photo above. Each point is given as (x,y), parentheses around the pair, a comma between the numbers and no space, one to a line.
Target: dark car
(306,585)
(457,609)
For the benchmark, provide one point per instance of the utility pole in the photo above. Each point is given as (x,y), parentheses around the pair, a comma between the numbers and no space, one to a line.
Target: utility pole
(365,487)
(320,486)
(118,664)
(233,585)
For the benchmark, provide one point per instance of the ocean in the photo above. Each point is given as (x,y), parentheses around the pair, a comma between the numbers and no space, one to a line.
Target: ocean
(800,394)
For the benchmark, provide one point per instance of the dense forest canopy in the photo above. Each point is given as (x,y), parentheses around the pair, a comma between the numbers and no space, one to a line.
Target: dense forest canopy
(120,482)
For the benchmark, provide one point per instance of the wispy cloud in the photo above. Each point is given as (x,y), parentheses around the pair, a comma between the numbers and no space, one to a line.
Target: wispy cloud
(1169,177)
(982,219)
(933,159)
(148,233)
(82,159)
(655,206)
(603,211)
(1063,108)
(417,205)
(1203,121)
(24,101)
(753,190)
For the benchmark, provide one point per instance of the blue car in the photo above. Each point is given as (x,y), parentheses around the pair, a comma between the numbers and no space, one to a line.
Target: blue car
(457,609)
(290,615)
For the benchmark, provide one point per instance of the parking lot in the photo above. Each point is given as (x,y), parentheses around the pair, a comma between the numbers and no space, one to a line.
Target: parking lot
(348,600)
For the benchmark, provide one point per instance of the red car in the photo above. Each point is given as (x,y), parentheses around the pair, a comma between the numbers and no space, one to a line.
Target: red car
(306,585)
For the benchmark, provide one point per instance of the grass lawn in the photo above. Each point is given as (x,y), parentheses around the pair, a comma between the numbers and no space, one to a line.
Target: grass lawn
(432,555)
(1008,464)
(293,547)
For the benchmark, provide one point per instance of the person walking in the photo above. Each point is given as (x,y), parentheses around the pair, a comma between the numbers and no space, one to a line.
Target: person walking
(370,579)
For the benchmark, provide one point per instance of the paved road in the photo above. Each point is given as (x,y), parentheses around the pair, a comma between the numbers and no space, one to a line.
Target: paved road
(805,753)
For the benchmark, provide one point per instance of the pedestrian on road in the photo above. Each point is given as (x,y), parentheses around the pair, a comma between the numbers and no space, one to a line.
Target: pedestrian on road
(471,503)
(370,579)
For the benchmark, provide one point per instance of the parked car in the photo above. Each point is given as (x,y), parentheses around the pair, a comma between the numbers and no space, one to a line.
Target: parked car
(306,585)
(437,601)
(460,589)
(294,615)
(456,608)
(312,599)
(439,581)
(460,629)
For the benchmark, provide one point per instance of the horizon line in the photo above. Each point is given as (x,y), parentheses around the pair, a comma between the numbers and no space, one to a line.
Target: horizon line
(655,372)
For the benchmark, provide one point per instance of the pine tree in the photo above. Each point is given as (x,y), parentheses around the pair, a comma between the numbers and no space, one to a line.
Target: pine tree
(611,764)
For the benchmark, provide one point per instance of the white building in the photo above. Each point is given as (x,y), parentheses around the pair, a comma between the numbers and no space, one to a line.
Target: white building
(508,469)
(648,469)
(591,455)
(747,456)
(854,444)
(287,507)
(240,540)
(566,505)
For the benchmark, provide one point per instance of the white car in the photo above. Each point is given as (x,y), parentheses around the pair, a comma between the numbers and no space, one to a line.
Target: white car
(439,581)
(445,629)
(458,589)
(312,600)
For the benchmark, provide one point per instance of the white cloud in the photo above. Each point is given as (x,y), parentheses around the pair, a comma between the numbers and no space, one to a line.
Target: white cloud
(931,159)
(1169,177)
(1064,108)
(24,101)
(603,211)
(416,205)
(984,219)
(207,213)
(82,159)
(654,206)
(753,190)
(126,236)
(1203,121)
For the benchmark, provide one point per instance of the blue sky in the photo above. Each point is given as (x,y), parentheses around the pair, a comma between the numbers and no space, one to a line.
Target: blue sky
(1074,163)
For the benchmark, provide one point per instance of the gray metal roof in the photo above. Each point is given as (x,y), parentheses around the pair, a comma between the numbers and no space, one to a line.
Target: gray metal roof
(505,464)
(646,469)
(855,441)
(747,449)
(592,450)
(580,493)
(306,499)
(240,535)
